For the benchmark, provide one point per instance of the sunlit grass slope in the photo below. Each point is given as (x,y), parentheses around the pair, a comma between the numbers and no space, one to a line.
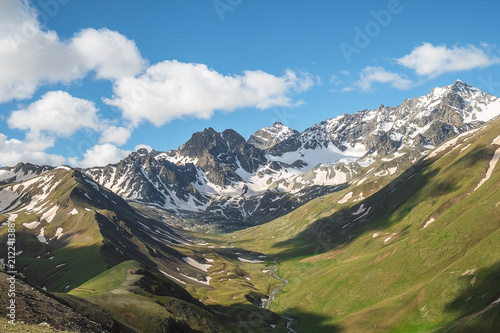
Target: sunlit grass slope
(421,254)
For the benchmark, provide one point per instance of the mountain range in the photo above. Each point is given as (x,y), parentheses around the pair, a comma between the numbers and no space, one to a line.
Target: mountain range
(238,183)
(386,211)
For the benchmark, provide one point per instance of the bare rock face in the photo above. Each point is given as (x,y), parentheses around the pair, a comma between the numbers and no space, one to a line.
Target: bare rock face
(267,138)
(37,308)
(20,172)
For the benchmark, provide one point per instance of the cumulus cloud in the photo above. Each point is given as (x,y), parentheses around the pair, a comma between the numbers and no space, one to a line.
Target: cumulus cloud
(31,56)
(14,151)
(431,61)
(57,113)
(116,135)
(173,89)
(370,75)
(109,53)
(141,146)
(100,155)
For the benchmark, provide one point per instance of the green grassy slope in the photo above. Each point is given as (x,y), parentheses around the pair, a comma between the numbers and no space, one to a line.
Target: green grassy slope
(385,272)
(65,261)
(100,231)
(122,291)
(97,230)
(151,303)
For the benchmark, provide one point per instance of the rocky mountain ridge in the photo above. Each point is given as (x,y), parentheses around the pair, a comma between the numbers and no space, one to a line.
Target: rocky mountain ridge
(224,176)
(221,177)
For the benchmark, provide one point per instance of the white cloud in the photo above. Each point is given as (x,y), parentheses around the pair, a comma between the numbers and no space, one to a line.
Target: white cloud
(173,89)
(100,155)
(56,113)
(347,89)
(109,53)
(116,135)
(339,80)
(14,151)
(31,56)
(147,147)
(429,60)
(370,75)
(28,55)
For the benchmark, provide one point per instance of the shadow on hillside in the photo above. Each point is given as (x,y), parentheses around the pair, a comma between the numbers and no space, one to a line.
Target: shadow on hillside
(476,155)
(250,319)
(310,322)
(119,242)
(247,318)
(344,226)
(476,306)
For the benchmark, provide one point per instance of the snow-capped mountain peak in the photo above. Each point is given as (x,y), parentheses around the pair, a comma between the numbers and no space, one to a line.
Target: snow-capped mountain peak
(268,137)
(223,174)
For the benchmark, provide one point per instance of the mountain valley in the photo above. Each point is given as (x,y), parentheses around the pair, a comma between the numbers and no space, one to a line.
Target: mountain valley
(384,220)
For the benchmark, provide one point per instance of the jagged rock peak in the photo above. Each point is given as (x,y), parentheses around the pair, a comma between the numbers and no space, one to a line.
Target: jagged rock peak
(21,171)
(458,88)
(464,89)
(139,155)
(233,138)
(211,141)
(268,137)
(142,151)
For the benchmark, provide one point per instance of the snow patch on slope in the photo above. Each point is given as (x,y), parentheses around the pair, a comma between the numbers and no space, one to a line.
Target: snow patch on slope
(194,263)
(41,237)
(50,214)
(32,225)
(250,261)
(172,277)
(492,164)
(345,198)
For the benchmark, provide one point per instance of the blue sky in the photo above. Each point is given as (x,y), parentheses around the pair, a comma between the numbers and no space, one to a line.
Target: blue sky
(86,82)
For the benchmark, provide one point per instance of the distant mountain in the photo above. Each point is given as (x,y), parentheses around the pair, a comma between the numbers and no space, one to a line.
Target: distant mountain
(417,122)
(223,178)
(220,180)
(20,172)
(269,137)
